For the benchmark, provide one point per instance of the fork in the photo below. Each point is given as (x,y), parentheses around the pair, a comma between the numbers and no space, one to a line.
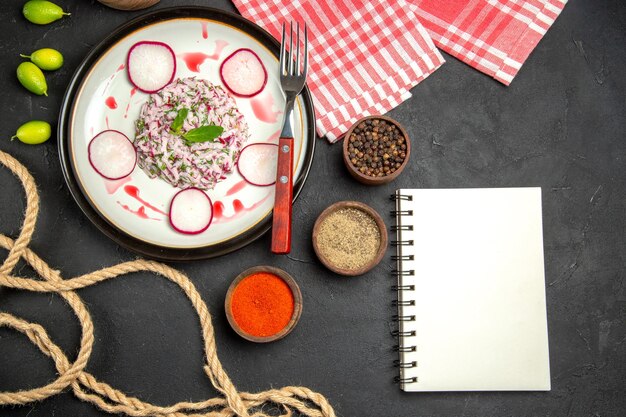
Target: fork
(292,80)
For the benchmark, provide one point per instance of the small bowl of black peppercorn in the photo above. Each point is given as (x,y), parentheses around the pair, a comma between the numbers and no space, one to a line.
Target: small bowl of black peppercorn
(376,149)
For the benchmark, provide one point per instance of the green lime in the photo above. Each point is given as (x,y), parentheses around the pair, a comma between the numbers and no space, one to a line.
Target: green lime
(33,132)
(42,12)
(31,77)
(47,59)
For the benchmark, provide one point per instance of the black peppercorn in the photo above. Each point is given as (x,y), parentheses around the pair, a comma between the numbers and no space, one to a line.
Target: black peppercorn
(376,148)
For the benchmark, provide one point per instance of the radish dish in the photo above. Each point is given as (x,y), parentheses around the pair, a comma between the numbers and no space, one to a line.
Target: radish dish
(190,134)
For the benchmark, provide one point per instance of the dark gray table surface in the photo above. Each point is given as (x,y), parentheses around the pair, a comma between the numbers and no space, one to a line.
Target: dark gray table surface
(560,126)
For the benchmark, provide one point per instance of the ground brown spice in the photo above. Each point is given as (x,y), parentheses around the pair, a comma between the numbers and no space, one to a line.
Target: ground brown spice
(349,238)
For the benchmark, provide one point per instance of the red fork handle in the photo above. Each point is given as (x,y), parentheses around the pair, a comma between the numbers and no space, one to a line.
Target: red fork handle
(281,227)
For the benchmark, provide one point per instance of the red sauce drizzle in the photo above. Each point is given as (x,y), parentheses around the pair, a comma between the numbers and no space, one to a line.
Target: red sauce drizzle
(133,191)
(133,91)
(141,212)
(218,210)
(106,87)
(205,30)
(193,60)
(238,206)
(219,47)
(274,137)
(236,188)
(111,103)
(106,120)
(113,185)
(262,106)
(258,203)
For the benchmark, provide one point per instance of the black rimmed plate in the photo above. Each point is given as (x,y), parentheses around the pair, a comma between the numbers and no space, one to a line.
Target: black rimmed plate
(132,211)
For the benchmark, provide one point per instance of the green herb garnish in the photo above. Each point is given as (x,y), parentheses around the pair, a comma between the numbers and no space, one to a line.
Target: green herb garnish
(177,124)
(203,134)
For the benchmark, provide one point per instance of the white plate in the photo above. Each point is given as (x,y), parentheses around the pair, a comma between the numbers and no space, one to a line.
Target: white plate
(105,99)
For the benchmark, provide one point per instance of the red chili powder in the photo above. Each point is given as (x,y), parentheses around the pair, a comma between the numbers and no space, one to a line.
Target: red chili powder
(262,304)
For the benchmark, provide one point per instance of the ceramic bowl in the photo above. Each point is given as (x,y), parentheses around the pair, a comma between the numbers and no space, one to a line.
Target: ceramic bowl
(367,179)
(297,298)
(379,222)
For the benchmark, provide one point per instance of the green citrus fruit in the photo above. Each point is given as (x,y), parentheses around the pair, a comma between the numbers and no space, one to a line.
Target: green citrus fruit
(42,12)
(33,132)
(31,77)
(47,59)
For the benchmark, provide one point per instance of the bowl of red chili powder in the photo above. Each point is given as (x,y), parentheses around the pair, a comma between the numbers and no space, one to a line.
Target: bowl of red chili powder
(263,304)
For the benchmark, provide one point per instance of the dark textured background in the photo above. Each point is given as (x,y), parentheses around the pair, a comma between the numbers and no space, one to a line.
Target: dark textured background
(561,126)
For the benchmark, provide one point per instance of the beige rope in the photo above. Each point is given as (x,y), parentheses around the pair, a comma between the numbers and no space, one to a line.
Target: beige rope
(84,385)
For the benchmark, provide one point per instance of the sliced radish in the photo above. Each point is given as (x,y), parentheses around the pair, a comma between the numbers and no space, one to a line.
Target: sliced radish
(257,163)
(243,73)
(191,211)
(151,65)
(112,154)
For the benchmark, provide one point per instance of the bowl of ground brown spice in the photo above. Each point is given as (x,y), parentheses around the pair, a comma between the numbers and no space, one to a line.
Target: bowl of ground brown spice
(350,238)
(376,150)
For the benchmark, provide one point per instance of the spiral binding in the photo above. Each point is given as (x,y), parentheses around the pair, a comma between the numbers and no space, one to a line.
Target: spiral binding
(395,317)
(405,380)
(398,333)
(401,243)
(396,213)
(397,303)
(396,197)
(400,286)
(403,287)
(399,348)
(404,365)
(406,227)
(399,273)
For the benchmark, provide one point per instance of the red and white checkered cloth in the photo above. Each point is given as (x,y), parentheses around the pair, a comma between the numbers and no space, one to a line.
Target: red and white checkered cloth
(365,55)
(493,36)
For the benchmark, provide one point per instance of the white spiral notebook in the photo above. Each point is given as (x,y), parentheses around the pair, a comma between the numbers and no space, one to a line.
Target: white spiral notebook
(471,290)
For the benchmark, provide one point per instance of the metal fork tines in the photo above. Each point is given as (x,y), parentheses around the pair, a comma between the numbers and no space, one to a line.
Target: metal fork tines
(292,73)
